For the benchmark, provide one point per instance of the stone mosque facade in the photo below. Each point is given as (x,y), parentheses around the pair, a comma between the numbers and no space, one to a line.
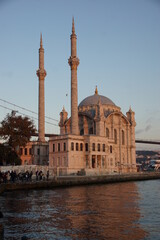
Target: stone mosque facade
(98,138)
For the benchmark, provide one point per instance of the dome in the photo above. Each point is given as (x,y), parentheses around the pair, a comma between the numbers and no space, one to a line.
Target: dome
(94,99)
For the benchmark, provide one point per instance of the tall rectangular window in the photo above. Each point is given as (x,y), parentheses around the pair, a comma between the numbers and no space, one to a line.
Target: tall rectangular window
(76,146)
(110,149)
(93,147)
(81,146)
(104,147)
(99,147)
(59,147)
(64,146)
(123,138)
(25,151)
(86,147)
(72,146)
(38,151)
(53,147)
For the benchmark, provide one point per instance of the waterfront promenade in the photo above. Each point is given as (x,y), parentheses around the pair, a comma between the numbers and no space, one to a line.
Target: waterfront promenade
(67,181)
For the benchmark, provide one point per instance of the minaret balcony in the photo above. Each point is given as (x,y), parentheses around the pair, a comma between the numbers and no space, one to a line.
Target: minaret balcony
(73,62)
(41,73)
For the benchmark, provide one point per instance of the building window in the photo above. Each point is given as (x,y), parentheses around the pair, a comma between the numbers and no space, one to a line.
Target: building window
(103,161)
(93,147)
(72,146)
(30,151)
(99,147)
(87,162)
(59,147)
(25,151)
(38,151)
(64,147)
(86,147)
(104,147)
(76,146)
(115,136)
(91,130)
(81,146)
(107,132)
(123,139)
(111,162)
(53,147)
(21,151)
(110,149)
(82,132)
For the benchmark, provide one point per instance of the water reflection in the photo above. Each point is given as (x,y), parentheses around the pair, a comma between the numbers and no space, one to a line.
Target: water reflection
(88,212)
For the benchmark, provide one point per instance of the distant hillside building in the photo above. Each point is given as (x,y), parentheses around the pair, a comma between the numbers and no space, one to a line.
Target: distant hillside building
(98,138)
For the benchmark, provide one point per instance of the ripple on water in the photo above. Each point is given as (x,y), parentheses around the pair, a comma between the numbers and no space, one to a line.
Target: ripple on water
(113,211)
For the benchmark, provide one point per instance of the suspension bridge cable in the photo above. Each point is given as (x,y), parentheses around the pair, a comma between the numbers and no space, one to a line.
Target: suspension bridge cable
(26,109)
(28,115)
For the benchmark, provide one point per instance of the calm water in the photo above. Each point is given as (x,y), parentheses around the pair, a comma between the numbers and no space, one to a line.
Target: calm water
(114,211)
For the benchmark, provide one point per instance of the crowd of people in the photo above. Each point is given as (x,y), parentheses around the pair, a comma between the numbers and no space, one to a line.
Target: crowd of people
(12,176)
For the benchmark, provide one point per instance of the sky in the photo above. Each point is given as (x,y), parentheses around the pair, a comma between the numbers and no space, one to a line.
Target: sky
(118,44)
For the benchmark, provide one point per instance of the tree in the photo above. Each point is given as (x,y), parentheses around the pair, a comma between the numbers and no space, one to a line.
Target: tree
(8,156)
(16,130)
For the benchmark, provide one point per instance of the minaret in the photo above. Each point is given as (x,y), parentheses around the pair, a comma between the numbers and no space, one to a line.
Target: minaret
(74,62)
(41,73)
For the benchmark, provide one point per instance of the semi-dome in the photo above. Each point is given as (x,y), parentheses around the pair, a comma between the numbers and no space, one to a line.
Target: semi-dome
(95,99)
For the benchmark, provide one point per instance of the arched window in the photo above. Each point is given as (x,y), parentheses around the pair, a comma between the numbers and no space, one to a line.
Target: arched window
(99,147)
(81,146)
(76,146)
(72,146)
(115,136)
(93,147)
(107,132)
(123,138)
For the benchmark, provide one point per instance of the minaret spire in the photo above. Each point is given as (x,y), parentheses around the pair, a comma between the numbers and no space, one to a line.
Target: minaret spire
(73,61)
(73,28)
(41,73)
(41,43)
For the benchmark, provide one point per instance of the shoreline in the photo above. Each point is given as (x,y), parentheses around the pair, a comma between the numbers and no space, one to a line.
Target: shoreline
(68,181)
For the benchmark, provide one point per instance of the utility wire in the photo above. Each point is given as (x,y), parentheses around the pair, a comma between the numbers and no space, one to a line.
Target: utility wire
(28,115)
(26,109)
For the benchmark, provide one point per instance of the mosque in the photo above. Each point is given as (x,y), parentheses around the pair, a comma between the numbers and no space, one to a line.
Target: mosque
(98,138)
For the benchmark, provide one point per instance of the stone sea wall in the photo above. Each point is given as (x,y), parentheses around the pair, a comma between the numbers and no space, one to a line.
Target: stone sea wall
(78,180)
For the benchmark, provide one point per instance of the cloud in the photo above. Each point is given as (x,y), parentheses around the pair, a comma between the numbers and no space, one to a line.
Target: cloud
(139,131)
(148,127)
